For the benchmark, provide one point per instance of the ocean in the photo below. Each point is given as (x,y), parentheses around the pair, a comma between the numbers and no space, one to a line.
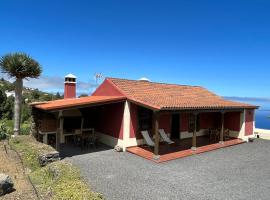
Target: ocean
(262,115)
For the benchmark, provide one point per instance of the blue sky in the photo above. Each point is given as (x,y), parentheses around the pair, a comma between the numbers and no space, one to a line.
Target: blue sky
(221,45)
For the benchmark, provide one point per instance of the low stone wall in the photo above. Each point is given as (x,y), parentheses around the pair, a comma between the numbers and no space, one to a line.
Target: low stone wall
(262,133)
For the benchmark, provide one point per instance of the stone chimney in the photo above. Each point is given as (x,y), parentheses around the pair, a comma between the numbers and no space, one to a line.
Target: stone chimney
(70,86)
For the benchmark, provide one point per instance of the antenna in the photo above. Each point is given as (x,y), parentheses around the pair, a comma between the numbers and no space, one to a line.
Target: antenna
(97,77)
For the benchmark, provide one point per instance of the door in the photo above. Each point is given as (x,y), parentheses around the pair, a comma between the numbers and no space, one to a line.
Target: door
(175,126)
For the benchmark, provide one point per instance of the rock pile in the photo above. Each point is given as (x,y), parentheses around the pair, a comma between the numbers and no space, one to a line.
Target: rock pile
(6,184)
(44,159)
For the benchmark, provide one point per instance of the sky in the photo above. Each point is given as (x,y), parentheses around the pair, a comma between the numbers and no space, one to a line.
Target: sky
(221,45)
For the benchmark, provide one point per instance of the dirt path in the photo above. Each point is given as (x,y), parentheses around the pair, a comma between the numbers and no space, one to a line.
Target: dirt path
(10,164)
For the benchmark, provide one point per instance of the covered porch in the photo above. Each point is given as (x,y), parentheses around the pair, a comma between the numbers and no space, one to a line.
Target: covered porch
(193,132)
(181,149)
(80,125)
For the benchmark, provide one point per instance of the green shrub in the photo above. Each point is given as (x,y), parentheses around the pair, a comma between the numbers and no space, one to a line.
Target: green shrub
(3,132)
(25,128)
(6,128)
(9,126)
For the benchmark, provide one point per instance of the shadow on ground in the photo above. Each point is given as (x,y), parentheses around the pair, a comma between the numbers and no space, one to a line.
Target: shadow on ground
(69,150)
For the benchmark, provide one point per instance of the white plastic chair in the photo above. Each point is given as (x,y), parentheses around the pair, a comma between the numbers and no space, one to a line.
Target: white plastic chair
(165,137)
(147,138)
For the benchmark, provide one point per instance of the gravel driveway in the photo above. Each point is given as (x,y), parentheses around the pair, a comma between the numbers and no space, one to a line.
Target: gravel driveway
(237,172)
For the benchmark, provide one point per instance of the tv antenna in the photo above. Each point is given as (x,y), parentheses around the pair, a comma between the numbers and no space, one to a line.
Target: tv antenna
(98,76)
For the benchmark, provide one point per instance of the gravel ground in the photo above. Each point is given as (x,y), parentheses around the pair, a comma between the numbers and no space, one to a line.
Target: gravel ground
(237,172)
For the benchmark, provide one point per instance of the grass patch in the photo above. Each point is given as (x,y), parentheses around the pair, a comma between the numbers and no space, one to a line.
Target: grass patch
(63,181)
(58,180)
(29,149)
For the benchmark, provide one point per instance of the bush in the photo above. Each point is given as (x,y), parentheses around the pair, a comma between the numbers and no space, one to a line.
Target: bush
(5,128)
(3,133)
(25,128)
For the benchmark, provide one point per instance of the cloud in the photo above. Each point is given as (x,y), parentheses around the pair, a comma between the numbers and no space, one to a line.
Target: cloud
(54,84)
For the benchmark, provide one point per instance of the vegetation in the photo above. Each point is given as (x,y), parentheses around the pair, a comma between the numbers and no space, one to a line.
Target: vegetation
(58,180)
(19,66)
(7,105)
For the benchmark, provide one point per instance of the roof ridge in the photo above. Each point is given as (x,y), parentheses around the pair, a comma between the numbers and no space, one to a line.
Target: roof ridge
(161,83)
(116,87)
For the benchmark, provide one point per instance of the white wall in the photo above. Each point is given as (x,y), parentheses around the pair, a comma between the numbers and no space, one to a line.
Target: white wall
(262,133)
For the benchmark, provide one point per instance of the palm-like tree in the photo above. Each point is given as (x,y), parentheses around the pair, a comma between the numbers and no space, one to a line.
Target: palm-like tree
(19,66)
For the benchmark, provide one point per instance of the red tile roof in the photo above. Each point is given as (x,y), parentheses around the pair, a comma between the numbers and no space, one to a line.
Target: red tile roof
(158,96)
(163,96)
(83,101)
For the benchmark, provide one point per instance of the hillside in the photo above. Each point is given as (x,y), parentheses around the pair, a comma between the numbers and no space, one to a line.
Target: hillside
(7,106)
(30,94)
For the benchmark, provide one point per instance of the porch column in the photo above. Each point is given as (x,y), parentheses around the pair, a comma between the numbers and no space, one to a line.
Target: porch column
(157,136)
(194,137)
(82,124)
(45,138)
(221,139)
(57,139)
(60,131)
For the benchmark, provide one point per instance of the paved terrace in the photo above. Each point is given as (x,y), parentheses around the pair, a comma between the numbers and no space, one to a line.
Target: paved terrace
(236,172)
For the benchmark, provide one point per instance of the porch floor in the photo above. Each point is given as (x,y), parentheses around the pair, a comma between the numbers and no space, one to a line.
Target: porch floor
(181,148)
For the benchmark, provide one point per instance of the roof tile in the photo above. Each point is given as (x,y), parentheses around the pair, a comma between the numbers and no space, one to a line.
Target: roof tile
(82,101)
(171,96)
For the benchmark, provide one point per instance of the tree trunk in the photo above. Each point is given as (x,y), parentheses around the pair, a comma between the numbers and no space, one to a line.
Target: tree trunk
(17,105)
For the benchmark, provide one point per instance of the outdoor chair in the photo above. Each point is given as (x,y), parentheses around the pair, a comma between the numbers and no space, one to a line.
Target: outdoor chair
(213,134)
(165,137)
(227,134)
(147,138)
(89,139)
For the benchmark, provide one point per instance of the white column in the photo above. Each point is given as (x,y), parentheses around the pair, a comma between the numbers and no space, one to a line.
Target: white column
(242,124)
(126,126)
(45,138)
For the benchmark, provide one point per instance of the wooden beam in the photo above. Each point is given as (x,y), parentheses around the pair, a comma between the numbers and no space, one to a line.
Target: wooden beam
(194,136)
(157,136)
(60,130)
(57,138)
(221,138)
(82,123)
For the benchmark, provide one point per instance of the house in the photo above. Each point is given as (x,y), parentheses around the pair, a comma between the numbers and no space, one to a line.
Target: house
(120,109)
